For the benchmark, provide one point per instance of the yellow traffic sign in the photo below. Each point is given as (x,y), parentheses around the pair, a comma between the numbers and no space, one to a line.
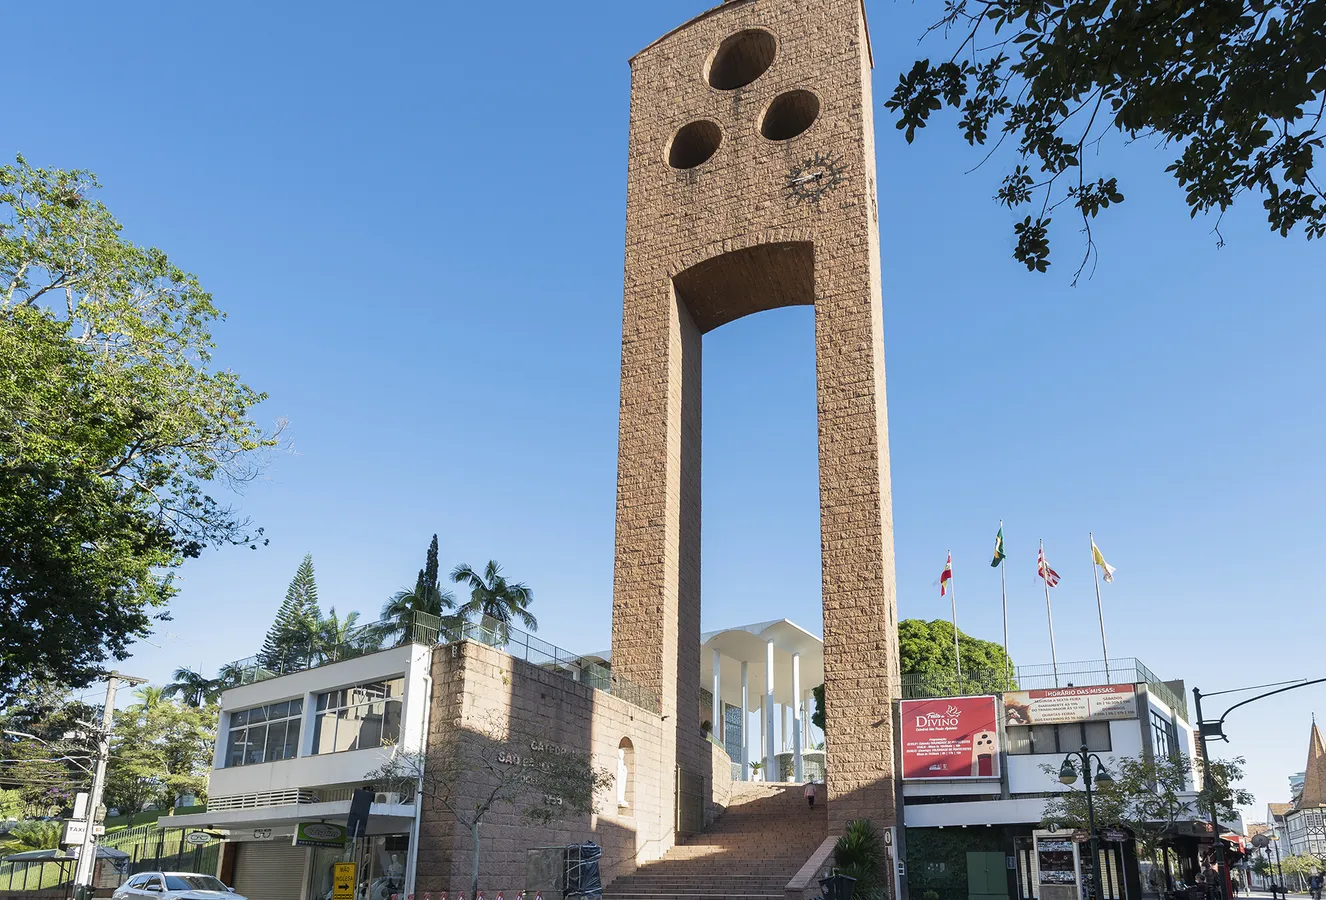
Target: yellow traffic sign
(343,881)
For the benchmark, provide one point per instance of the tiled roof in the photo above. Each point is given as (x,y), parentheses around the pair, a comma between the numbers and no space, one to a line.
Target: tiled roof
(1279,809)
(1314,779)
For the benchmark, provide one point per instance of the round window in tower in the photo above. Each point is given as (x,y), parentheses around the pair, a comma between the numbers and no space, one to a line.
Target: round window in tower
(694,143)
(742,58)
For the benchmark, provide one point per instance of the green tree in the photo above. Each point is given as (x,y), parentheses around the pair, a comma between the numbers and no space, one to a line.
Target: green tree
(341,638)
(289,641)
(471,772)
(149,695)
(1149,797)
(112,427)
(493,597)
(44,755)
(925,651)
(194,688)
(427,596)
(1237,89)
(158,755)
(25,836)
(11,804)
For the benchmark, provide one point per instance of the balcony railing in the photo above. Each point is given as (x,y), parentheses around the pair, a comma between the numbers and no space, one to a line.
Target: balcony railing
(522,645)
(300,652)
(309,652)
(1025,678)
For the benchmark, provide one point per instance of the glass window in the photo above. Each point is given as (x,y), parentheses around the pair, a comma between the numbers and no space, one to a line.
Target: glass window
(362,717)
(1019,739)
(1070,737)
(1042,739)
(264,733)
(1096,735)
(193,883)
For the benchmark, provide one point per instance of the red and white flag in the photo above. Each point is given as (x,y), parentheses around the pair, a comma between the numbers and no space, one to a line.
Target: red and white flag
(1044,571)
(946,576)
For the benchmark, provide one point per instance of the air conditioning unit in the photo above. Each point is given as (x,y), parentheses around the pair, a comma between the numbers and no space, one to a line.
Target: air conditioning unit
(390,797)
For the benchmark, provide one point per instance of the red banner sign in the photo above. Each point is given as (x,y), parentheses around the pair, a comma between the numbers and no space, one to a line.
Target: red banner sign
(954,737)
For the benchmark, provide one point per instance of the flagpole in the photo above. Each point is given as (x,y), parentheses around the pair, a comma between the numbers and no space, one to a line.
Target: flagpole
(1049,617)
(1003,591)
(953,598)
(1100,607)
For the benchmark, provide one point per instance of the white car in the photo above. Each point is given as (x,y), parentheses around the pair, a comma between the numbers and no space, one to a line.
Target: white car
(174,886)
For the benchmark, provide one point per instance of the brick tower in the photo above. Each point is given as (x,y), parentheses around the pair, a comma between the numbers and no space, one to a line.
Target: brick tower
(751,186)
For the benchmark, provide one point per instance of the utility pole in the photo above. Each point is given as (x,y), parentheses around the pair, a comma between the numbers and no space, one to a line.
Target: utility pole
(1218,843)
(87,854)
(1216,729)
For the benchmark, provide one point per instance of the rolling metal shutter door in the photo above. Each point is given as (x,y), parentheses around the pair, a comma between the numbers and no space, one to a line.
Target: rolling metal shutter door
(269,870)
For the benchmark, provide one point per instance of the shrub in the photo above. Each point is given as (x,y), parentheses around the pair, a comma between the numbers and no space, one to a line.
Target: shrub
(858,853)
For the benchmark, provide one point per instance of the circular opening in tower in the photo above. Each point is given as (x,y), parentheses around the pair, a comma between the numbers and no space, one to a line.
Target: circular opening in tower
(790,114)
(694,143)
(742,58)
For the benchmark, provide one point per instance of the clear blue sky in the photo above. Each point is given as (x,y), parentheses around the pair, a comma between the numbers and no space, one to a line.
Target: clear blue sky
(413,215)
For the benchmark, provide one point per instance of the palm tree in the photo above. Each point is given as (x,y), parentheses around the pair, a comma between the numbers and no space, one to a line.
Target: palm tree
(230,675)
(194,688)
(426,597)
(339,638)
(149,696)
(493,597)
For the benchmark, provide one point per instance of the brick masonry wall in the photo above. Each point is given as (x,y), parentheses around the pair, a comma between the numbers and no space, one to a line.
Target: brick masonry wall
(474,685)
(731,207)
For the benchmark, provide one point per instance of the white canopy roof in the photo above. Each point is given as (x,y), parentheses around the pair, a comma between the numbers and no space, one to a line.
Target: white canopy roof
(748,643)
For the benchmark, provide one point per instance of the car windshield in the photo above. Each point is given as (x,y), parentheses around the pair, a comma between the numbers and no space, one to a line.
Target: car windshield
(193,883)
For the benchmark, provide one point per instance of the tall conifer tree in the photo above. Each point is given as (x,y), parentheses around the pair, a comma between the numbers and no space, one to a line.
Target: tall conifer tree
(287,639)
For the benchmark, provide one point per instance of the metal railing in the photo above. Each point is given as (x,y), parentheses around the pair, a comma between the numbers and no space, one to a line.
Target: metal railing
(421,628)
(1127,670)
(525,646)
(305,652)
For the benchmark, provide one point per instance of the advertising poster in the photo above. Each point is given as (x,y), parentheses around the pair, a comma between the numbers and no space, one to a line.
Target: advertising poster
(1056,706)
(953,737)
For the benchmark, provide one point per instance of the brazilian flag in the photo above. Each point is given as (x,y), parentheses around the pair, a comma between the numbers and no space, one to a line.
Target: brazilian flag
(999,547)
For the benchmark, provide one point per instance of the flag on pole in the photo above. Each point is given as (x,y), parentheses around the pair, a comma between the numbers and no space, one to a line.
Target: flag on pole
(1044,571)
(999,548)
(946,576)
(1100,561)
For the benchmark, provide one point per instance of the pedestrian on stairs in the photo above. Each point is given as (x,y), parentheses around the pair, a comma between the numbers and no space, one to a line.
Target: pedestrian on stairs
(810,794)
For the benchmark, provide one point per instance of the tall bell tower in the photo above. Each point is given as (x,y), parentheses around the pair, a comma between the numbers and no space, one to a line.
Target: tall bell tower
(751,186)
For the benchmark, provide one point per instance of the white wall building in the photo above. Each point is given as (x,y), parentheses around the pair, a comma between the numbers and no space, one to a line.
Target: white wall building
(291,750)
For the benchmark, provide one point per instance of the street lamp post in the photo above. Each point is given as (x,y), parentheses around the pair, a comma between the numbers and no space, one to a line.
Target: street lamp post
(1103,779)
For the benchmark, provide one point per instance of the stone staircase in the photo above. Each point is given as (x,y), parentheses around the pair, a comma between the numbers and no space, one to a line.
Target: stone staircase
(749,853)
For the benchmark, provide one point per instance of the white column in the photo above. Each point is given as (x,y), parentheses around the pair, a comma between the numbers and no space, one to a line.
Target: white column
(745,721)
(798,773)
(769,761)
(717,719)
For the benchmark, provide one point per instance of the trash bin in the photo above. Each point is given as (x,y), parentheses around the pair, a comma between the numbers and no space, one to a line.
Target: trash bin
(838,887)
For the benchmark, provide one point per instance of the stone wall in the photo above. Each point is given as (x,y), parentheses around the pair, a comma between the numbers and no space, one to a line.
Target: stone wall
(475,685)
(725,217)
(720,781)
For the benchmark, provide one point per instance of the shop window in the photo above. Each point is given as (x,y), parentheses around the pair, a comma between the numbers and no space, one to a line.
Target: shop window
(362,717)
(625,775)
(264,733)
(1024,740)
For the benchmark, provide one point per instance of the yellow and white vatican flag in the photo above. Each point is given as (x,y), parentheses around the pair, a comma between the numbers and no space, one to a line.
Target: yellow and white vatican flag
(1099,560)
